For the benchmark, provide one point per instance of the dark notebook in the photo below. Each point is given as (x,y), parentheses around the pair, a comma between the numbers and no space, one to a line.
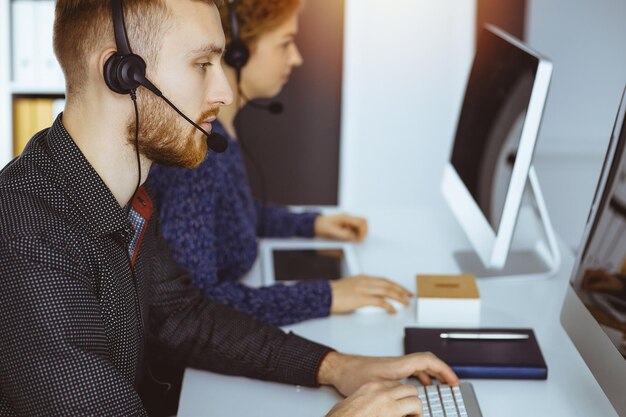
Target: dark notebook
(500,359)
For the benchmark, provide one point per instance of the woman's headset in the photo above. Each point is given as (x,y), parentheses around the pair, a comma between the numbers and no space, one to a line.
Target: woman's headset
(237,52)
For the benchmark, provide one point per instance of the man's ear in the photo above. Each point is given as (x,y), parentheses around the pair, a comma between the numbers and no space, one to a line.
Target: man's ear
(103,57)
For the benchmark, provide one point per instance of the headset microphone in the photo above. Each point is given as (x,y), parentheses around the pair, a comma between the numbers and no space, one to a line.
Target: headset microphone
(216,142)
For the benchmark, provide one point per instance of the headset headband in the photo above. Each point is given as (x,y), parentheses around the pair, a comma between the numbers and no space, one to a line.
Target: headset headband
(119,28)
(234,22)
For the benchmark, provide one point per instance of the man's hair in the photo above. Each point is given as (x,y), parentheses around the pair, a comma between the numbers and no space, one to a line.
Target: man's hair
(83,27)
(257,17)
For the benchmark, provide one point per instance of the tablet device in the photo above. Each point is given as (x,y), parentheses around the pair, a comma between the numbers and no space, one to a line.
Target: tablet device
(287,261)
(308,264)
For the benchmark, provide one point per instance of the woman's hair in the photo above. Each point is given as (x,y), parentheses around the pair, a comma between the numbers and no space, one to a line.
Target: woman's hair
(257,17)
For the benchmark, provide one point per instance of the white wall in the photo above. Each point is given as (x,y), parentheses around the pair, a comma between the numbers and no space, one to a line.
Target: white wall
(585,39)
(406,63)
(6,145)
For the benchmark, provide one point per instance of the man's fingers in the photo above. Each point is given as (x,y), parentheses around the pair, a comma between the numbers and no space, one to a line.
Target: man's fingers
(403,391)
(372,387)
(423,378)
(387,384)
(410,406)
(406,401)
(437,368)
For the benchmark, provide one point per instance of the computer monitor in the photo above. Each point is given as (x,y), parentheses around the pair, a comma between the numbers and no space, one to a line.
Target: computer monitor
(594,310)
(500,117)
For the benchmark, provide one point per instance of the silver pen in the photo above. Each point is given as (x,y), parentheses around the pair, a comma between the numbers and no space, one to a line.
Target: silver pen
(484,336)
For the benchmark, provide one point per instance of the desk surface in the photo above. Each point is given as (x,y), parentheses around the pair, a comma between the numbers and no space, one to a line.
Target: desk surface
(401,244)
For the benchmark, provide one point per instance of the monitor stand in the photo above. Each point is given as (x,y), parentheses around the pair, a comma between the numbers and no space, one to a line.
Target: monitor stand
(534,250)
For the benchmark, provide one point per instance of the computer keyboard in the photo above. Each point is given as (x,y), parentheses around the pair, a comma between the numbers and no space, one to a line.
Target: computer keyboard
(442,401)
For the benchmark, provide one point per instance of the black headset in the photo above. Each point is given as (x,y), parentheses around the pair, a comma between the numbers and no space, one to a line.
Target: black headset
(237,56)
(125,71)
(237,52)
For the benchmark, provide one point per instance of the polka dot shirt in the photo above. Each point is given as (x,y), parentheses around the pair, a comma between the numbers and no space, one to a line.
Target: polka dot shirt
(76,324)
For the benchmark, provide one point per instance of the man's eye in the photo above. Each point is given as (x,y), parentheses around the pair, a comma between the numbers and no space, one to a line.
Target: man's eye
(203,65)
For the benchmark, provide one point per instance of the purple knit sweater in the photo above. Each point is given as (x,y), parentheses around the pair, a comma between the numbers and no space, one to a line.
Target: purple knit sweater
(210,220)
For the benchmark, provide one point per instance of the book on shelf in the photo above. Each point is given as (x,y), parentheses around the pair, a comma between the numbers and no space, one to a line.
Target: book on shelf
(30,115)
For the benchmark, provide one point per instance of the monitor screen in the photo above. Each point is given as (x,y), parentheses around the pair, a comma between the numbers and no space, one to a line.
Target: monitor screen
(600,278)
(594,310)
(491,160)
(491,121)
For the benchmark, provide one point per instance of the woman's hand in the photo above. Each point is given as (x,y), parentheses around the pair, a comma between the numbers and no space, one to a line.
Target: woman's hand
(341,227)
(348,294)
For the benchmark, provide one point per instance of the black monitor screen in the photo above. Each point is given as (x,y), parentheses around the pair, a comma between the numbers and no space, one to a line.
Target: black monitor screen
(600,279)
(490,125)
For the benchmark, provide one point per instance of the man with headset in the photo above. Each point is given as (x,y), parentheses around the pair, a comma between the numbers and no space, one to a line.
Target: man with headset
(91,299)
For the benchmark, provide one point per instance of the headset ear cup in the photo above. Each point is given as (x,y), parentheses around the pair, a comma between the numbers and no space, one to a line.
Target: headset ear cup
(237,55)
(120,72)
(110,74)
(132,68)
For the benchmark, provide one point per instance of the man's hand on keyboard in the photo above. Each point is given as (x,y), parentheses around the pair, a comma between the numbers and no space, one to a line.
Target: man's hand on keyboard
(389,399)
(348,373)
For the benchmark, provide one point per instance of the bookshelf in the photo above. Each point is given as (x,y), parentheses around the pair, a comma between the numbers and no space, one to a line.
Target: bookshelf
(26,35)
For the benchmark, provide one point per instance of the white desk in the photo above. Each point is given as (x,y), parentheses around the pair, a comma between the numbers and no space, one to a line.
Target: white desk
(402,244)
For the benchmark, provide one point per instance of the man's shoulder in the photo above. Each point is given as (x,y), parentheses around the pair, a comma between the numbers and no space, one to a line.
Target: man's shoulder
(33,168)
(35,227)
(33,200)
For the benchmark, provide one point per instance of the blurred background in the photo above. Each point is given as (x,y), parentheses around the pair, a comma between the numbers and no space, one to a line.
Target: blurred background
(370,117)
